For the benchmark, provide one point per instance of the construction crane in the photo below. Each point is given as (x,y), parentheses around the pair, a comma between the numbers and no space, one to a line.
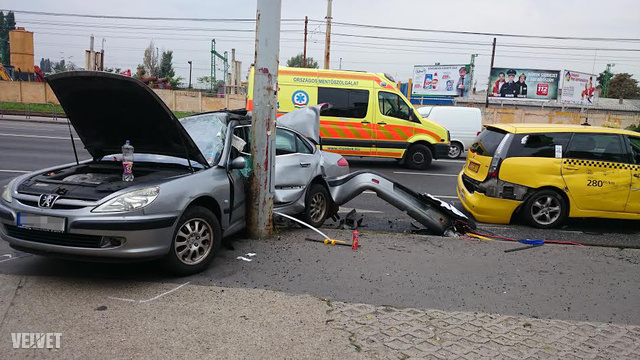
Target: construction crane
(3,74)
(225,62)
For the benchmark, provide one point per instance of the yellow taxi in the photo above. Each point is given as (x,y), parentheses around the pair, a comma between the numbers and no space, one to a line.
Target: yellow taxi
(547,173)
(368,117)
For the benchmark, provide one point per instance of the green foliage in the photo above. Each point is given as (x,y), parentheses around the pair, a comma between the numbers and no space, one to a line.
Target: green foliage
(623,86)
(166,65)
(7,23)
(45,65)
(175,82)
(296,61)
(634,127)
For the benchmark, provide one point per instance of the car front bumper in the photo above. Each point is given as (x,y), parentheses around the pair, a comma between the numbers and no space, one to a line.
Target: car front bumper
(484,208)
(91,236)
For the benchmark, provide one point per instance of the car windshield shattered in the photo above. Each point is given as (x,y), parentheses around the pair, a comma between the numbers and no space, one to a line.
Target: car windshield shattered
(208,131)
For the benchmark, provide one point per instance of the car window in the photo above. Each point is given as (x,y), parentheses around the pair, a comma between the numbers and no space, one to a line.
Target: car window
(348,103)
(538,145)
(208,131)
(285,142)
(487,142)
(602,147)
(635,148)
(302,146)
(392,105)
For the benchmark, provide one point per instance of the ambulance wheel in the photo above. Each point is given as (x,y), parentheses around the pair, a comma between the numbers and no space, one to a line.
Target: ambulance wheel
(418,157)
(545,209)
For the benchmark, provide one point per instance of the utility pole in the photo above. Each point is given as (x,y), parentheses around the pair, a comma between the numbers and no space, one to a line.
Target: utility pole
(472,67)
(263,129)
(327,39)
(493,56)
(340,63)
(607,77)
(190,66)
(225,62)
(304,53)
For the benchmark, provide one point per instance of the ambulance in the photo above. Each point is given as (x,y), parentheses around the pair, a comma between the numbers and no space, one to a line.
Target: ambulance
(367,116)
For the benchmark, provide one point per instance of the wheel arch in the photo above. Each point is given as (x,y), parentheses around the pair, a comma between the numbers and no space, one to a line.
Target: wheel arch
(530,193)
(207,202)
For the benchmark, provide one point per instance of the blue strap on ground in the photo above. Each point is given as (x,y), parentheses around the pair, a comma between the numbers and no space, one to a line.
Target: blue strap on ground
(531,242)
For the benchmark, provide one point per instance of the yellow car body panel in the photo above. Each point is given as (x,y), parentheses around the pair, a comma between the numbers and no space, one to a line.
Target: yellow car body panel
(484,208)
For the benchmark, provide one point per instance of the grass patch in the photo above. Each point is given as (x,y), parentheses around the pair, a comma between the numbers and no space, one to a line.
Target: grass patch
(46,109)
(181,114)
(352,341)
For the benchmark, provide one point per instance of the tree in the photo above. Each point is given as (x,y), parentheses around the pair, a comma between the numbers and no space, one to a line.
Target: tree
(204,80)
(140,71)
(150,60)
(7,24)
(296,61)
(45,66)
(166,65)
(59,66)
(175,82)
(623,86)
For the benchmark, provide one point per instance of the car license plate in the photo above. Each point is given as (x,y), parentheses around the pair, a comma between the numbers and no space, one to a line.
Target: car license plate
(474,166)
(39,222)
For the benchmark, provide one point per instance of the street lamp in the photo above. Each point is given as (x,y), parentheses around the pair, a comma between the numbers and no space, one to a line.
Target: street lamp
(190,66)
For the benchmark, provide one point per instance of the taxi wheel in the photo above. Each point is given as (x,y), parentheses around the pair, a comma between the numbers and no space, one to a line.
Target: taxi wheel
(418,157)
(545,209)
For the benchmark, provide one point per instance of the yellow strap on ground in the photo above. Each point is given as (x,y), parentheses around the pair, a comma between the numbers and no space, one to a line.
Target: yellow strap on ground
(333,241)
(483,238)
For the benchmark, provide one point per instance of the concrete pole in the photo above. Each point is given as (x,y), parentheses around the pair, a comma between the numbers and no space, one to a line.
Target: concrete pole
(233,76)
(263,129)
(304,52)
(493,57)
(327,39)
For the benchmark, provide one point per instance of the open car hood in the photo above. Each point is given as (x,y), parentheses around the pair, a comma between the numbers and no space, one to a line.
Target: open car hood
(306,121)
(107,109)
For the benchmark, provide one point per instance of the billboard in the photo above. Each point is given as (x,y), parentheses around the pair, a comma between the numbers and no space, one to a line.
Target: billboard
(578,88)
(524,84)
(440,80)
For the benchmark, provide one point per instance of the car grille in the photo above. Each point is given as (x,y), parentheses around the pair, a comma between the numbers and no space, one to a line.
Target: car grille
(54,238)
(55,206)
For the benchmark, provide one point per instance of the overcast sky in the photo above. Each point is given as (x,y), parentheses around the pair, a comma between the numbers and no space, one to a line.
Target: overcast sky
(125,40)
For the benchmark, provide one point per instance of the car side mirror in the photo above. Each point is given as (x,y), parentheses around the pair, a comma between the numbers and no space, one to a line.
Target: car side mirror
(238,163)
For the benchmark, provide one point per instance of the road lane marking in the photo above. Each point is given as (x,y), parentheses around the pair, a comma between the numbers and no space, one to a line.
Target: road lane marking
(423,173)
(362,211)
(436,196)
(453,161)
(15,171)
(39,136)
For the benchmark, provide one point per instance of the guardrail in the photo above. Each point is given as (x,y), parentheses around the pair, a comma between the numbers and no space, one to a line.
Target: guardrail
(29,111)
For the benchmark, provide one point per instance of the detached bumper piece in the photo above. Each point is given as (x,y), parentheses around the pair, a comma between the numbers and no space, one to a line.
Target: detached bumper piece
(433,213)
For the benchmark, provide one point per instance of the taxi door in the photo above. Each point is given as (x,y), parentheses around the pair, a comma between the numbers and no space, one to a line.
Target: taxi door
(392,126)
(633,203)
(347,126)
(596,172)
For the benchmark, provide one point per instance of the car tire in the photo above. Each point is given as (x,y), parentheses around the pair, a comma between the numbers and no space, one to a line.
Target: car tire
(316,205)
(545,209)
(455,150)
(195,243)
(418,157)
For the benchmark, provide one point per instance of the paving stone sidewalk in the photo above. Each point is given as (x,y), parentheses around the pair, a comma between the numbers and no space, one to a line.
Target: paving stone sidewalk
(381,332)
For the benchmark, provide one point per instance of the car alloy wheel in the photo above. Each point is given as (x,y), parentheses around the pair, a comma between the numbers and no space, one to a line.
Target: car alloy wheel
(194,241)
(318,207)
(546,210)
(455,150)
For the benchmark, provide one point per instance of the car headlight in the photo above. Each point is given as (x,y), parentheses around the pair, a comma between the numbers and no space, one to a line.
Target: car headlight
(133,200)
(6,192)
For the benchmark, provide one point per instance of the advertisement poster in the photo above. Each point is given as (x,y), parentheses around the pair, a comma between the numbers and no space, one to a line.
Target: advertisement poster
(524,84)
(578,88)
(440,80)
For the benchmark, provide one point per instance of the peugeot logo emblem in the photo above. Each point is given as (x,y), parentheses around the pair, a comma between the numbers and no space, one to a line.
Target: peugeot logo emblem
(47,200)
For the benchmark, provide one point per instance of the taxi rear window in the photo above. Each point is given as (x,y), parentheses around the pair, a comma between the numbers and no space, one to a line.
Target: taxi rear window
(487,142)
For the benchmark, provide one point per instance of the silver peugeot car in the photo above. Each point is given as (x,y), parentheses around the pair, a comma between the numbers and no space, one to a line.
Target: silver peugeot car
(190,185)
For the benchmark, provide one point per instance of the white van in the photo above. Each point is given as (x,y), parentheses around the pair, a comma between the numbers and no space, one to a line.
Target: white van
(464,124)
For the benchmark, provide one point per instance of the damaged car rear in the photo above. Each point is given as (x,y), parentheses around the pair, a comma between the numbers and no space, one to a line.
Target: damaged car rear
(189,189)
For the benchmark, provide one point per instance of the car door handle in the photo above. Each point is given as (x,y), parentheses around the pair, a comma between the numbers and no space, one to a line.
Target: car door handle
(570,168)
(305,164)
(382,123)
(366,122)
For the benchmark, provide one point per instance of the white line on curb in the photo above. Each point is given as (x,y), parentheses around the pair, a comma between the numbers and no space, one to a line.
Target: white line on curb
(153,298)
(15,171)
(423,173)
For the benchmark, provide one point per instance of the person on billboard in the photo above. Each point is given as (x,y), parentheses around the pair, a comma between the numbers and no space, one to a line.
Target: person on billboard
(522,86)
(463,82)
(588,90)
(498,85)
(510,88)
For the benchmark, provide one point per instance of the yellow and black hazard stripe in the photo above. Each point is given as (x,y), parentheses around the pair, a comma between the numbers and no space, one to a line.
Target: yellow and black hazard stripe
(601,164)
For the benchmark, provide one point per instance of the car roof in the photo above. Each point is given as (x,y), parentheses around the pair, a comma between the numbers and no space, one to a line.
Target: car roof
(539,128)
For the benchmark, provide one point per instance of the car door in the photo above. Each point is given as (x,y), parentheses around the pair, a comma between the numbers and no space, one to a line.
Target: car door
(633,203)
(596,172)
(346,127)
(296,165)
(393,125)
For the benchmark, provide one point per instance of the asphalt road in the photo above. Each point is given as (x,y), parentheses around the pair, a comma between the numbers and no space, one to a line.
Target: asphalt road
(27,146)
(397,269)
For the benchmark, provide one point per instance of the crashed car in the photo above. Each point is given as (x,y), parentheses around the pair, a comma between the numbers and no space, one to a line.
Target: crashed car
(190,185)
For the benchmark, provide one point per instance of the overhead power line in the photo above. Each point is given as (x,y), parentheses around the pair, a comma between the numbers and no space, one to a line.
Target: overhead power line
(382,27)
(149,18)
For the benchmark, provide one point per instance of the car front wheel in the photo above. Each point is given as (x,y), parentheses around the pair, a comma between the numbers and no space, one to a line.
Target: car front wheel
(455,150)
(545,209)
(316,205)
(418,157)
(195,242)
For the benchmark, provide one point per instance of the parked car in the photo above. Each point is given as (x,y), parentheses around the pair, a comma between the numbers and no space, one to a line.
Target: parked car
(463,123)
(368,116)
(547,173)
(189,189)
